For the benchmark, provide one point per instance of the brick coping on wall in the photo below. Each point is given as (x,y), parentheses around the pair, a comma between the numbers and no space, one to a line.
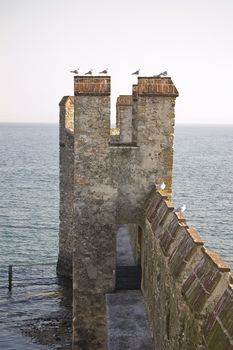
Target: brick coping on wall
(205,279)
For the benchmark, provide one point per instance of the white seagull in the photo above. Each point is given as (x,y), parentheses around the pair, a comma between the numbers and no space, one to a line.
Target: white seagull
(160,186)
(160,75)
(180,209)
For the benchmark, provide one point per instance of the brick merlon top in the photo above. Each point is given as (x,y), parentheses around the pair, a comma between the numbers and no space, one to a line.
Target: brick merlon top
(124,100)
(92,85)
(134,91)
(149,86)
(216,260)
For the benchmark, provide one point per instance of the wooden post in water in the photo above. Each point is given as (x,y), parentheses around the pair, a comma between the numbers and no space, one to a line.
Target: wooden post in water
(10,277)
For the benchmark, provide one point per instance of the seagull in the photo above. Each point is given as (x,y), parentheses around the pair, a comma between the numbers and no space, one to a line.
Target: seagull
(89,72)
(160,75)
(74,71)
(160,186)
(105,71)
(136,73)
(180,209)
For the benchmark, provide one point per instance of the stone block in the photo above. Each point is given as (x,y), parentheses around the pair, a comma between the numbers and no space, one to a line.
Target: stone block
(181,217)
(169,234)
(199,285)
(152,209)
(184,250)
(219,326)
(163,209)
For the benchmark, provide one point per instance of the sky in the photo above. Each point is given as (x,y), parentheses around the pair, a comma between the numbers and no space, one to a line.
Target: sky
(42,40)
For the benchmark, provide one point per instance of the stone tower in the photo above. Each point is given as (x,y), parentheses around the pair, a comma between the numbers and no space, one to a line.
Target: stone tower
(104,182)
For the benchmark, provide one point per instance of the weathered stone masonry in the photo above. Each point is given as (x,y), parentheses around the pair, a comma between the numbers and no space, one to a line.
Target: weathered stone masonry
(108,180)
(187,289)
(64,265)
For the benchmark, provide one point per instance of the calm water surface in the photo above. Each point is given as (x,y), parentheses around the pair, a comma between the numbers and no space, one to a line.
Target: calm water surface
(28,229)
(28,194)
(203,180)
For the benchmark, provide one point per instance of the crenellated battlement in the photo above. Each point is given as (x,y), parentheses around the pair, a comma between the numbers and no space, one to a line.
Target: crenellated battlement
(96,86)
(109,180)
(104,182)
(190,286)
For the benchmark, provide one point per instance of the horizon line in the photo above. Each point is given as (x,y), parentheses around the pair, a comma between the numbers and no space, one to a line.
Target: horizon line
(57,123)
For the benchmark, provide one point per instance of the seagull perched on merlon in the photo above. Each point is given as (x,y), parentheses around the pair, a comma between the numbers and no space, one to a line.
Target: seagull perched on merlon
(160,186)
(89,72)
(74,71)
(105,71)
(160,75)
(137,72)
(180,209)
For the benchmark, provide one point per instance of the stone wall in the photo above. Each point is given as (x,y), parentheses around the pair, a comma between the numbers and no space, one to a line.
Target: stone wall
(66,141)
(94,212)
(104,182)
(188,290)
(124,117)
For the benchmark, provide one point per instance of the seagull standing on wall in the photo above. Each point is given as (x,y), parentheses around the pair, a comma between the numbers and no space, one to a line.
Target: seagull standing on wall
(180,209)
(105,71)
(89,72)
(74,71)
(160,75)
(163,74)
(137,72)
(160,186)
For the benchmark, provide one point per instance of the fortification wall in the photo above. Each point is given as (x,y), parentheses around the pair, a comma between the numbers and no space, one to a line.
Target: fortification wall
(124,166)
(104,182)
(188,290)
(124,117)
(66,141)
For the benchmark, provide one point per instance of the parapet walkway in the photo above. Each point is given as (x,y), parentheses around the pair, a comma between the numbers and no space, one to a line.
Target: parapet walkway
(128,327)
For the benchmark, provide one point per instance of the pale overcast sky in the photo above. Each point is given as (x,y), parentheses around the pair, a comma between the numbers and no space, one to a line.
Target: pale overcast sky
(42,40)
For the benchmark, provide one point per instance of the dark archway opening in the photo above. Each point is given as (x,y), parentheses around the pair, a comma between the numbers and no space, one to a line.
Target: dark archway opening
(128,271)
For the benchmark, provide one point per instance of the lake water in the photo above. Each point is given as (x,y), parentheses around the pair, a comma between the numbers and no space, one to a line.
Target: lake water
(203,180)
(28,230)
(28,194)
